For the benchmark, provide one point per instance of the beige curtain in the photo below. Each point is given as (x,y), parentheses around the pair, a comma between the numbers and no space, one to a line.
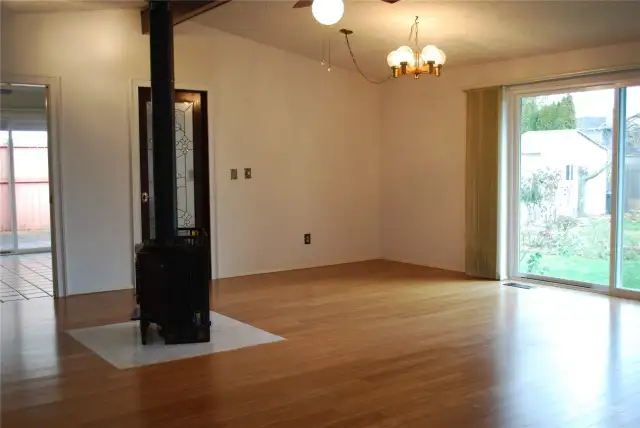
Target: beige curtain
(482,182)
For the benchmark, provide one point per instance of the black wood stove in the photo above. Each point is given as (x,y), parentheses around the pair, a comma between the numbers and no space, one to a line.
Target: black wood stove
(172,287)
(172,268)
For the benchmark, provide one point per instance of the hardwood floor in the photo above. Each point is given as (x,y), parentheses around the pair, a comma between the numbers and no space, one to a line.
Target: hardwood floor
(369,345)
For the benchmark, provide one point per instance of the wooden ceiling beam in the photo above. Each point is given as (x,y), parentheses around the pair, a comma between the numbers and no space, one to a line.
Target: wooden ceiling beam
(183,10)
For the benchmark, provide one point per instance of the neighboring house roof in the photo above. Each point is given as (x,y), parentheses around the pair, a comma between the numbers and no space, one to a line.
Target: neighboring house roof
(537,141)
(604,134)
(591,122)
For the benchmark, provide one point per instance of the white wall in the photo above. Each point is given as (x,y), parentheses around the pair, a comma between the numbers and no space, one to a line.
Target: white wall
(423,147)
(321,162)
(312,139)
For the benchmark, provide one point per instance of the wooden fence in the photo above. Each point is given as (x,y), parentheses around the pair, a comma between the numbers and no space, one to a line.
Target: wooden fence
(32,189)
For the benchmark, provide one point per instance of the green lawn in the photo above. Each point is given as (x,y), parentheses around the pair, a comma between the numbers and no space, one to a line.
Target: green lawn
(591,264)
(578,268)
(631,228)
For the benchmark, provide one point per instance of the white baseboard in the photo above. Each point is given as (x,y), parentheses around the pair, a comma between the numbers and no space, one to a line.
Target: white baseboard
(261,272)
(410,262)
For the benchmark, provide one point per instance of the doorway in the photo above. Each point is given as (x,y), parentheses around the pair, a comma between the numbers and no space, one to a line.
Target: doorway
(192,161)
(26,263)
(575,185)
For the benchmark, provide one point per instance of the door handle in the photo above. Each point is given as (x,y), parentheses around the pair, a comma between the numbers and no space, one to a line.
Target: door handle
(145,197)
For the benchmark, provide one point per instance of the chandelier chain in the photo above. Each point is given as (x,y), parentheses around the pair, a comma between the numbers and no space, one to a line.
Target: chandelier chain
(377,82)
(414,33)
(329,43)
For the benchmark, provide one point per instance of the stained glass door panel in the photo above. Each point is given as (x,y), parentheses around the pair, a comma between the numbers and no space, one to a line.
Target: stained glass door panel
(185,173)
(192,199)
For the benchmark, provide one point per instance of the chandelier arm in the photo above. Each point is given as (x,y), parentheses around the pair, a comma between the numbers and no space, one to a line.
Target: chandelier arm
(376,82)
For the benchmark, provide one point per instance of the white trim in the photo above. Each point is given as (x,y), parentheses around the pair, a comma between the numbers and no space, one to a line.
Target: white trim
(589,83)
(513,182)
(503,186)
(623,294)
(589,78)
(617,181)
(12,192)
(569,76)
(573,283)
(54,102)
(136,221)
(314,266)
(569,286)
(33,251)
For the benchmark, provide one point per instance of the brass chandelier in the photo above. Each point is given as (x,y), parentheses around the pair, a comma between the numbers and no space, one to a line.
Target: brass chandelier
(406,61)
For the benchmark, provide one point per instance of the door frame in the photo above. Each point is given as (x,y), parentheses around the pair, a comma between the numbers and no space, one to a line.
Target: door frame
(615,81)
(134,138)
(53,106)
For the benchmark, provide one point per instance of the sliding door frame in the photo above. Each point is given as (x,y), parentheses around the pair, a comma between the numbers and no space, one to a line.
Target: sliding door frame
(15,236)
(53,98)
(616,81)
(617,203)
(12,192)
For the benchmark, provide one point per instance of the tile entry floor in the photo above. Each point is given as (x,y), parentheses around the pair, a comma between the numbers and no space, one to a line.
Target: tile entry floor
(25,277)
(120,344)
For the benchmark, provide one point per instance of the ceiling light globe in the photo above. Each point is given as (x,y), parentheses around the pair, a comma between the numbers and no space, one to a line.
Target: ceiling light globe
(327,12)
(404,54)
(393,60)
(443,57)
(431,53)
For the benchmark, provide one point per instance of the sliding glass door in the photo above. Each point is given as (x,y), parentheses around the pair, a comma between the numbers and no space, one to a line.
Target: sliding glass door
(629,204)
(575,184)
(24,191)
(7,226)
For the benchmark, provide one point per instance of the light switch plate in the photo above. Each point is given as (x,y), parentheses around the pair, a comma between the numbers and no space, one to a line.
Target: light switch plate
(234,173)
(247,173)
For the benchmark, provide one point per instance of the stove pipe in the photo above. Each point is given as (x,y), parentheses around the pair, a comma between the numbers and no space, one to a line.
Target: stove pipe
(163,116)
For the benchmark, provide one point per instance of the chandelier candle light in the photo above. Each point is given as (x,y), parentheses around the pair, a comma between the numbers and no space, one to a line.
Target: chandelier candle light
(405,61)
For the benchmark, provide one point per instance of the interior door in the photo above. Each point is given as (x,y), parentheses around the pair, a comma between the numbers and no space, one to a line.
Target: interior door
(192,161)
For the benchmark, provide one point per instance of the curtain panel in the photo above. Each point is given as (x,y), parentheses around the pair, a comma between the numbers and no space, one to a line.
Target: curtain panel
(482,210)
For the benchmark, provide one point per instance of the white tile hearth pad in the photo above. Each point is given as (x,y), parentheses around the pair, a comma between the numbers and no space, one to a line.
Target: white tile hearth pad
(120,345)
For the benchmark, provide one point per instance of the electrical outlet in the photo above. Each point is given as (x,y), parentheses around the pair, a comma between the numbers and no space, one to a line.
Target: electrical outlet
(307,239)
(234,173)
(247,173)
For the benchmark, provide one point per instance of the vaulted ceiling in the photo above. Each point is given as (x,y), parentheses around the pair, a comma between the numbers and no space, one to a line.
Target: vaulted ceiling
(468,31)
